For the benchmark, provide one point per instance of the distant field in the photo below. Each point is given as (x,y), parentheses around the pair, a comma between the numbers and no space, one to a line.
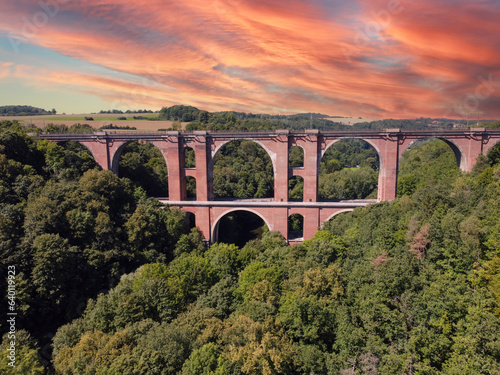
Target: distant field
(100,119)
(115,118)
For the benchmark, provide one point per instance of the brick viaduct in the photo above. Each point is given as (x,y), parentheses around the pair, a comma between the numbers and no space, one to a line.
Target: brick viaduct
(390,144)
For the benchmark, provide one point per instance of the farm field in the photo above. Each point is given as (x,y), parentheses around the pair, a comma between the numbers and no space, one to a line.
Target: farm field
(100,119)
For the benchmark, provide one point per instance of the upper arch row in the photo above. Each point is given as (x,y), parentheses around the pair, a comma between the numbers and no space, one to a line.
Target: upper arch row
(457,148)
(388,146)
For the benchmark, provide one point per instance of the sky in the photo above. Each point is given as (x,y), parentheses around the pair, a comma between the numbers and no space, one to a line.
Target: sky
(368,58)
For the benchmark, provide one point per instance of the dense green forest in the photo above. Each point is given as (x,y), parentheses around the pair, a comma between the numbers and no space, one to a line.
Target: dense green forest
(24,110)
(109,283)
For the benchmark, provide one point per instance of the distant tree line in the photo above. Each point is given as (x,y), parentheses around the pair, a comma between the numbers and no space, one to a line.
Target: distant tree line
(24,110)
(117,111)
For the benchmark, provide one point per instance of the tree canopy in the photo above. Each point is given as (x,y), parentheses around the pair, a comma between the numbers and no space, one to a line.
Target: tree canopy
(109,282)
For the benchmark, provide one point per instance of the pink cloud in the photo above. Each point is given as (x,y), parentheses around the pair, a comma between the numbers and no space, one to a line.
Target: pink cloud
(378,60)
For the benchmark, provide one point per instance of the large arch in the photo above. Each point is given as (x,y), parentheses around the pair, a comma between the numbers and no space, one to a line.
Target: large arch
(489,146)
(272,155)
(83,144)
(341,172)
(215,226)
(431,160)
(266,155)
(115,157)
(457,150)
(153,177)
(367,140)
(335,214)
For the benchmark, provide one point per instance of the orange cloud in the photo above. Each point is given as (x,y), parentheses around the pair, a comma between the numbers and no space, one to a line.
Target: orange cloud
(367,58)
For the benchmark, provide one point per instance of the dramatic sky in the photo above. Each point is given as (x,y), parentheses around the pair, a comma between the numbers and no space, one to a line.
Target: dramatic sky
(369,58)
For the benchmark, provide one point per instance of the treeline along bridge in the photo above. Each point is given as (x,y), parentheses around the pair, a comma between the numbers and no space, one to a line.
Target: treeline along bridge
(390,144)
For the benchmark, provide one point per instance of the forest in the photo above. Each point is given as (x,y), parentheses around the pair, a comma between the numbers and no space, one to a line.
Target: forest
(109,282)
(24,110)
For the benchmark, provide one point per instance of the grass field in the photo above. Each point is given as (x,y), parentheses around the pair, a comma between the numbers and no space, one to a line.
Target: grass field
(130,117)
(100,119)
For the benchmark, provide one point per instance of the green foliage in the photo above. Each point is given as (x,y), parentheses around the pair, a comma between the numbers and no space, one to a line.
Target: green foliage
(202,361)
(348,170)
(243,169)
(145,166)
(296,157)
(183,113)
(153,231)
(24,110)
(69,161)
(426,163)
(410,286)
(24,357)
(72,230)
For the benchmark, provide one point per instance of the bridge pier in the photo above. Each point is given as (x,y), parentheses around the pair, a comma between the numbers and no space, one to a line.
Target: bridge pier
(280,164)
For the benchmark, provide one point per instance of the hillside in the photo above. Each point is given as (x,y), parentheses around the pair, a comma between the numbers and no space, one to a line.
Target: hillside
(108,282)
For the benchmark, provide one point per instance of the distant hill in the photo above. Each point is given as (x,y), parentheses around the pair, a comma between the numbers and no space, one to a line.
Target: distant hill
(24,110)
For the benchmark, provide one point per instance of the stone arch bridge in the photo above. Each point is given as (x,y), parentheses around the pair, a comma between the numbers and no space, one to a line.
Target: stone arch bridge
(390,144)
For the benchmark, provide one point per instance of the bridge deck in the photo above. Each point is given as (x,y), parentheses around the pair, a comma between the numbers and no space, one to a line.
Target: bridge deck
(264,134)
(268,203)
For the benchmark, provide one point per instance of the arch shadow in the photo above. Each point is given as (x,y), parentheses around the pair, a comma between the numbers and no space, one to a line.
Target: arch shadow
(215,227)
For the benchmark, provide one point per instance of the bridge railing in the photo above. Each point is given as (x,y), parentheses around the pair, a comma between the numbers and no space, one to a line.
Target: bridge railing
(266,133)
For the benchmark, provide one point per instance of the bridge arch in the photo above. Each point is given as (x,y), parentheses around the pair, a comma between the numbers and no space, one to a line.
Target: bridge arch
(335,214)
(457,150)
(145,165)
(489,146)
(295,226)
(215,227)
(338,175)
(272,155)
(83,144)
(115,157)
(264,181)
(367,140)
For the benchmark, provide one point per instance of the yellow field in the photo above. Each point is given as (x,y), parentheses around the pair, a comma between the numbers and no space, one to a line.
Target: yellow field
(99,120)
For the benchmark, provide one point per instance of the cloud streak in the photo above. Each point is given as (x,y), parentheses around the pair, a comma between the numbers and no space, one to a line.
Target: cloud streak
(369,58)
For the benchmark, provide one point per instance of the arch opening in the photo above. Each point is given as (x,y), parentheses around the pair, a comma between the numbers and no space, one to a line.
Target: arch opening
(339,222)
(427,162)
(144,164)
(77,159)
(190,188)
(189,221)
(189,158)
(242,169)
(238,227)
(349,169)
(493,155)
(295,226)
(296,189)
(296,157)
